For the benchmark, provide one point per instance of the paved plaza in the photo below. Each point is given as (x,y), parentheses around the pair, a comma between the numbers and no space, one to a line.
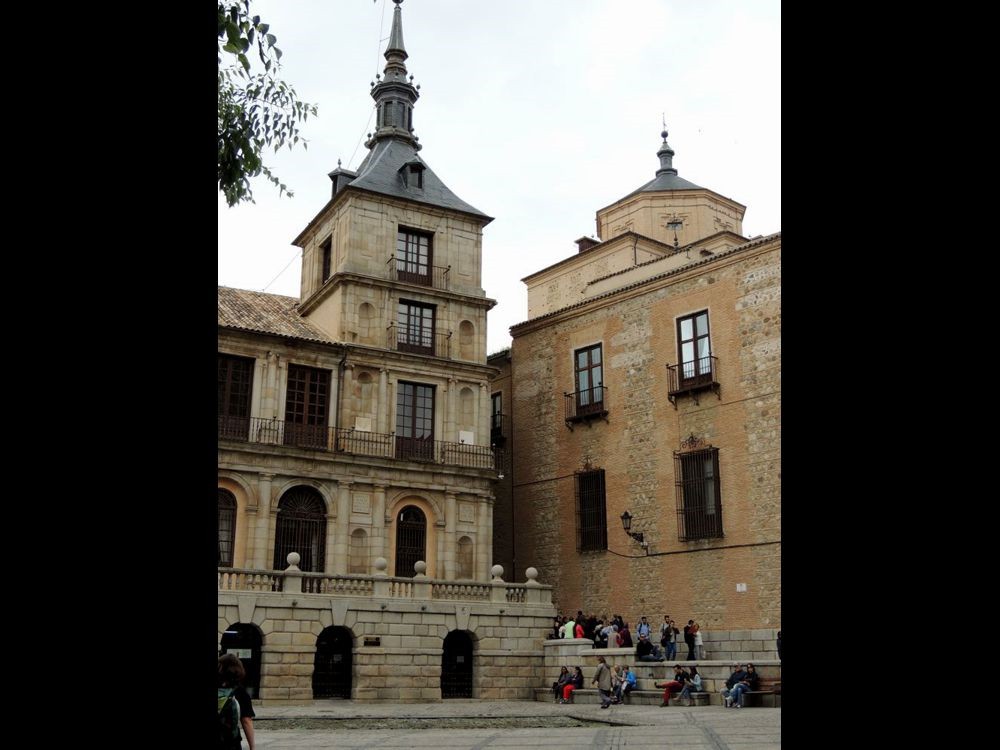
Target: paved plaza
(633,727)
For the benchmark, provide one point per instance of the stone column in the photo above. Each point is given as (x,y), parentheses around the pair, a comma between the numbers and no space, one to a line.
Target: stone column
(260,547)
(378,522)
(257,392)
(484,542)
(280,387)
(487,542)
(382,422)
(482,412)
(450,551)
(451,413)
(347,410)
(268,402)
(439,525)
(332,523)
(343,523)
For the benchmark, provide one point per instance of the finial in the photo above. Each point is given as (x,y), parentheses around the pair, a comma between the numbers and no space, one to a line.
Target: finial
(338,163)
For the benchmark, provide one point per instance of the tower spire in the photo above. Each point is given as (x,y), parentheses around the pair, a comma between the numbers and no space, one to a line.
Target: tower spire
(666,154)
(394,95)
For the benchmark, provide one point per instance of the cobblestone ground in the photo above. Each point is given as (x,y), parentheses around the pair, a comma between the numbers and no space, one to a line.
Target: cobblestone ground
(513,725)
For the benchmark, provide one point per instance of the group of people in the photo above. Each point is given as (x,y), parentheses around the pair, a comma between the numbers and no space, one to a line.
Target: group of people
(743,680)
(615,633)
(685,681)
(613,683)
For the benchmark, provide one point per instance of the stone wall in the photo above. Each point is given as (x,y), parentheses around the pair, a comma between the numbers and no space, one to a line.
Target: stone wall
(725,583)
(406,665)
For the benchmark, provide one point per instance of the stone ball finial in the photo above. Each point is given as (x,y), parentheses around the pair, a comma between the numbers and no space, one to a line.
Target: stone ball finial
(293,558)
(664,134)
(381,564)
(420,567)
(531,574)
(497,571)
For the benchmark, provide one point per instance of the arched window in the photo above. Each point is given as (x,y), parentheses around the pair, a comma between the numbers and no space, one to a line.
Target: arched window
(464,558)
(227,527)
(359,552)
(302,529)
(411,539)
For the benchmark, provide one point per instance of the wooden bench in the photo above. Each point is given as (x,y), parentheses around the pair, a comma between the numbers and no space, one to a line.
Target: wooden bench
(765,695)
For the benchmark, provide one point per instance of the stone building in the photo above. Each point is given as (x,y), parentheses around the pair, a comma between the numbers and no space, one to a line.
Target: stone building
(646,380)
(356,470)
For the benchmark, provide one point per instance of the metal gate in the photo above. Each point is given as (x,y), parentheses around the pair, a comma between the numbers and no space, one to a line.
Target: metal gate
(245,642)
(411,537)
(332,666)
(456,666)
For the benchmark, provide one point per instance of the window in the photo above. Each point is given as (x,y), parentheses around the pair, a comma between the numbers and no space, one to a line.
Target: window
(695,349)
(591,511)
(306,406)
(235,383)
(326,248)
(227,527)
(589,380)
(699,500)
(414,253)
(411,537)
(496,418)
(415,330)
(301,528)
(415,421)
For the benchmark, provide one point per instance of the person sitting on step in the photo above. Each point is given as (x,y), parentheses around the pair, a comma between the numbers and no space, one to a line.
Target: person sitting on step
(672,686)
(749,682)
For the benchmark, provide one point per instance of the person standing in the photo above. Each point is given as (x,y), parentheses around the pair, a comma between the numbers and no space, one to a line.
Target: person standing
(779,645)
(602,677)
(689,640)
(643,628)
(231,676)
(699,647)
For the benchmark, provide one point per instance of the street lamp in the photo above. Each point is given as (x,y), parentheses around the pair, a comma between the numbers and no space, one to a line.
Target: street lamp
(627,525)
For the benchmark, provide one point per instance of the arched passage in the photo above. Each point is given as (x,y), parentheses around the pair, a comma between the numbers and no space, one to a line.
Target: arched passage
(301,528)
(245,641)
(456,665)
(332,666)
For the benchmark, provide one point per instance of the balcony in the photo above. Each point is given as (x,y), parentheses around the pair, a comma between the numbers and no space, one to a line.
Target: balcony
(357,443)
(423,341)
(586,405)
(693,377)
(435,277)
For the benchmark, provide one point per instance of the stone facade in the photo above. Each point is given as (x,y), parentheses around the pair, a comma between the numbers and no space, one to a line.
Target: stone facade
(725,578)
(355,437)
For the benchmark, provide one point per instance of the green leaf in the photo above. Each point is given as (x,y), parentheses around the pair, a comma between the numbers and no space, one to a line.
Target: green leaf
(271,40)
(243,61)
(277,52)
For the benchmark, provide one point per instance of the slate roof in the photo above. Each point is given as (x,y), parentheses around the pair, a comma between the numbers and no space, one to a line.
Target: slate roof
(379,173)
(266,313)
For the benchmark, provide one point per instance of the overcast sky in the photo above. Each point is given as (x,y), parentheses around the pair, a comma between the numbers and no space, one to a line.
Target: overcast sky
(536,112)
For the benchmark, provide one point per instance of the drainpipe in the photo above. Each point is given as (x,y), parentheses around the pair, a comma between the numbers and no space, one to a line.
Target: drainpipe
(340,396)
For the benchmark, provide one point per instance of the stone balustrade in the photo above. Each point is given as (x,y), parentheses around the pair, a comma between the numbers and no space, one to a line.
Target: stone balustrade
(294,581)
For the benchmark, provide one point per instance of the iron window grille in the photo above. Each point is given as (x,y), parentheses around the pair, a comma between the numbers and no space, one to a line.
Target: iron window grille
(699,494)
(591,511)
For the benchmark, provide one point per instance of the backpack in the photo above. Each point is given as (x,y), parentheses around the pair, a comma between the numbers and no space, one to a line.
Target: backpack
(229,717)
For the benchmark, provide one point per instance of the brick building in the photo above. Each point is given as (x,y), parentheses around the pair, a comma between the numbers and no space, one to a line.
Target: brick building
(647,380)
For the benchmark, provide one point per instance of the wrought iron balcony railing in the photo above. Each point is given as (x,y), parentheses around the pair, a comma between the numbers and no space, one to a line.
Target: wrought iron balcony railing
(693,377)
(418,341)
(435,277)
(359,443)
(586,405)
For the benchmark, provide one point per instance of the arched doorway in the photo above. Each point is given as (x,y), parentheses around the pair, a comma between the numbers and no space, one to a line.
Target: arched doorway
(456,665)
(244,641)
(411,539)
(301,528)
(332,666)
